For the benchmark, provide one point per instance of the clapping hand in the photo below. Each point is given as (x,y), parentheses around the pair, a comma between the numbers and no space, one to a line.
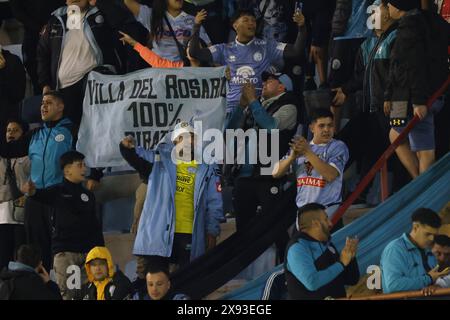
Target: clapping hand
(349,251)
(299,146)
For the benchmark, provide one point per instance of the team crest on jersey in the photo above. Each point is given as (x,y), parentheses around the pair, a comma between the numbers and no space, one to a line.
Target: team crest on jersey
(308,168)
(232,58)
(99,19)
(189,21)
(336,64)
(84,197)
(297,70)
(59,138)
(192,170)
(257,56)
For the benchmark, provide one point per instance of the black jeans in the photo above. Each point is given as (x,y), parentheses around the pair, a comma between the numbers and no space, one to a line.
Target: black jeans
(73,102)
(181,253)
(249,193)
(38,229)
(12,236)
(29,52)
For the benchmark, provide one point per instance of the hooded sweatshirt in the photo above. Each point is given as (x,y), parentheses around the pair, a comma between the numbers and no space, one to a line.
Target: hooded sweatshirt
(115,286)
(100,253)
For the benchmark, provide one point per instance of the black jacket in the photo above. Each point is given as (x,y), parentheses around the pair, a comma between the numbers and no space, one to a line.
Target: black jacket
(76,227)
(104,20)
(143,167)
(335,288)
(318,16)
(52,38)
(120,18)
(12,87)
(28,285)
(120,288)
(419,58)
(372,69)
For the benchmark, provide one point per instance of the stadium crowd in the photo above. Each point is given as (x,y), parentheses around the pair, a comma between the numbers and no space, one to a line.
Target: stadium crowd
(296,68)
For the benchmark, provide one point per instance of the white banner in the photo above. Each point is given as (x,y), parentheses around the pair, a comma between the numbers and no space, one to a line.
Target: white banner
(146,104)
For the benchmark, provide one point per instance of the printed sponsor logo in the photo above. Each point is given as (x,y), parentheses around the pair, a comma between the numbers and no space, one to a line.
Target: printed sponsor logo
(312,182)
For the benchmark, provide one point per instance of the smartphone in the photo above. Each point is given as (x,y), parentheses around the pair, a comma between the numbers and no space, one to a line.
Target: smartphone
(298,7)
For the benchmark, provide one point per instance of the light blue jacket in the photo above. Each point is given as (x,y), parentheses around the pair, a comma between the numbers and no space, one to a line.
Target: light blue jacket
(157,223)
(46,147)
(402,267)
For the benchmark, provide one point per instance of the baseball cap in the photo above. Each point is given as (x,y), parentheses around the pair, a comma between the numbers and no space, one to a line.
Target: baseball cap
(405,5)
(180,128)
(282,77)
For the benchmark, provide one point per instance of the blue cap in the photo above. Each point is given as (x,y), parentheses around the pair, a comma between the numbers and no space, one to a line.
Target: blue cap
(284,79)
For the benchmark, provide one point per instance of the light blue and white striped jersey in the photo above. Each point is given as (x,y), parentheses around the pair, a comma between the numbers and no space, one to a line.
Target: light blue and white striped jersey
(311,186)
(247,62)
(182,26)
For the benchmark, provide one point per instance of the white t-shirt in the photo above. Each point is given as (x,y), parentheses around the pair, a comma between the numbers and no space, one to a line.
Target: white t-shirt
(77,58)
(182,26)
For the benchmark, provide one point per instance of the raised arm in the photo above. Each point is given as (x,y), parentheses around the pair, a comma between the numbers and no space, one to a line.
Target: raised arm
(128,152)
(297,50)
(297,149)
(195,51)
(17,148)
(148,55)
(133,6)
(45,196)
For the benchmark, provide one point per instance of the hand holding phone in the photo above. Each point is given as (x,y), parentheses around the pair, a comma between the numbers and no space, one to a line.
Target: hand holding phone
(298,7)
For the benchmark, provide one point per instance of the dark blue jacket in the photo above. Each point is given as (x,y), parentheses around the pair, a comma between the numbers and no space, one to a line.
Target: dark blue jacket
(313,270)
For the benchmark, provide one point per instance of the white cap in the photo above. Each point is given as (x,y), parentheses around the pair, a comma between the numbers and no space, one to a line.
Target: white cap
(180,128)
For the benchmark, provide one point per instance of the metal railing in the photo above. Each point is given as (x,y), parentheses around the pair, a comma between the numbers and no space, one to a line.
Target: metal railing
(403,295)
